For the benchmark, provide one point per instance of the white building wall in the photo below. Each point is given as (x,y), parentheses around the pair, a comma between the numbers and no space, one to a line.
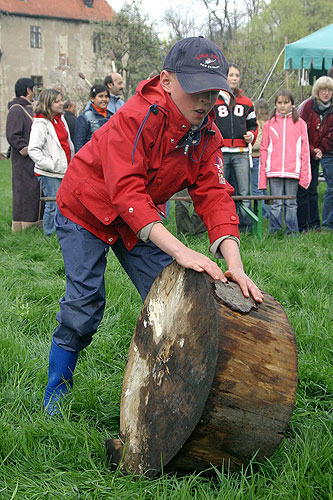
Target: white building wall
(67,49)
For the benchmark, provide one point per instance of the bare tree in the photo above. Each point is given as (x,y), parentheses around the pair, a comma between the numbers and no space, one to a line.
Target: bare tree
(180,23)
(252,8)
(224,19)
(134,42)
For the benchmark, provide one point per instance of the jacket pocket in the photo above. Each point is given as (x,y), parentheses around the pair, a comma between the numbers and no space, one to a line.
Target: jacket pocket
(94,200)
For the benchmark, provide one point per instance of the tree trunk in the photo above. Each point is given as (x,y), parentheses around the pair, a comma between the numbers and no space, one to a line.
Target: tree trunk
(210,378)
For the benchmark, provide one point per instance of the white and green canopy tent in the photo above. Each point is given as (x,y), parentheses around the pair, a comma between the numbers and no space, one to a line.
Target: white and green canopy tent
(311,56)
(313,52)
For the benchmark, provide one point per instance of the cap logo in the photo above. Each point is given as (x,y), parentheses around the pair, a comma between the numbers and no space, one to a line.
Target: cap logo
(209,61)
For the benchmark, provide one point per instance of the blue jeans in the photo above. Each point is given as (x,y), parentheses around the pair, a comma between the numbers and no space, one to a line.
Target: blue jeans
(307,202)
(327,166)
(279,187)
(82,308)
(254,186)
(237,173)
(50,186)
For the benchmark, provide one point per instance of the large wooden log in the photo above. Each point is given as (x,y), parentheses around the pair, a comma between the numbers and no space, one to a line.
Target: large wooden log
(210,377)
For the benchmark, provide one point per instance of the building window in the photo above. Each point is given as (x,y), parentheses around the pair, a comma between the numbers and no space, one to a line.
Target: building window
(96,42)
(89,3)
(38,82)
(35,37)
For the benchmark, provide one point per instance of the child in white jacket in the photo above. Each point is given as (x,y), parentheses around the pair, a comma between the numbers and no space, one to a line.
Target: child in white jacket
(51,149)
(284,160)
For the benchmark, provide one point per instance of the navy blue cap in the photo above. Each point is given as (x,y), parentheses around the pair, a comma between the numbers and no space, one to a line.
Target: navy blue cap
(199,65)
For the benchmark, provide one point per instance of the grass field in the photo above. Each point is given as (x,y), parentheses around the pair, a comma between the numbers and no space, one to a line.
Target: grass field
(66,459)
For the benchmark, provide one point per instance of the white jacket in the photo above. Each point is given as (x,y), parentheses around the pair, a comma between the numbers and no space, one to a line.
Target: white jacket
(45,150)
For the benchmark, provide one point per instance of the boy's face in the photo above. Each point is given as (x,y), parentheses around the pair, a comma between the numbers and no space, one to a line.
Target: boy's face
(194,107)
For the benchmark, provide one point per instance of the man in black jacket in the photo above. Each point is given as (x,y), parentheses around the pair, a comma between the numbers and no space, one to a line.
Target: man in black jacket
(70,116)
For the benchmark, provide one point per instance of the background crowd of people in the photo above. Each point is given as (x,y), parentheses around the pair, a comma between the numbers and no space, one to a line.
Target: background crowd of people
(282,150)
(43,135)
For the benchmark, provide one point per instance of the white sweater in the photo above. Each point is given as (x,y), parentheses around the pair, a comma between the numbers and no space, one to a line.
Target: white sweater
(45,150)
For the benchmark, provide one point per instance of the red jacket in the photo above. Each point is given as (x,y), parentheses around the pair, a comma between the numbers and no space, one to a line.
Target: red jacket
(136,161)
(320,126)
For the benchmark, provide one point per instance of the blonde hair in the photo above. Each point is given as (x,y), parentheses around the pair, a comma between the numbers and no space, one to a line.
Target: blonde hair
(324,82)
(44,102)
(262,112)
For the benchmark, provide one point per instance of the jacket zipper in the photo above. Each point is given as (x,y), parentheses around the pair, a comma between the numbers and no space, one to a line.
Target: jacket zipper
(188,141)
(284,142)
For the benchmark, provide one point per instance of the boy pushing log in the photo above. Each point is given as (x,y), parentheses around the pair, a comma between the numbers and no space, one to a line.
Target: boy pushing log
(161,141)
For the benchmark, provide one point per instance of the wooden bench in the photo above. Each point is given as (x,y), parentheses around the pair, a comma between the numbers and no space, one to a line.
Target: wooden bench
(256,214)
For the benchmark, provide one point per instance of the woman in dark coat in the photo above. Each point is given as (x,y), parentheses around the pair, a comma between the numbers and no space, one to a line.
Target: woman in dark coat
(25,186)
(317,112)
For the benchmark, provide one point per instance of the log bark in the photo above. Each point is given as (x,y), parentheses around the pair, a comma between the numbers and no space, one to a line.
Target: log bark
(205,382)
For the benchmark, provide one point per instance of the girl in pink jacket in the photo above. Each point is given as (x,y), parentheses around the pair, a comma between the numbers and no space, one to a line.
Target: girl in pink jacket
(284,160)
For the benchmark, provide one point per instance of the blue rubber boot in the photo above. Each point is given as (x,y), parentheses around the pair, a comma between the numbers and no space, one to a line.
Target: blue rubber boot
(61,367)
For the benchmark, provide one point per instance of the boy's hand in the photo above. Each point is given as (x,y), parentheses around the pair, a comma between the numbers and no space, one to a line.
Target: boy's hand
(246,284)
(198,262)
(235,272)
(185,256)
(191,259)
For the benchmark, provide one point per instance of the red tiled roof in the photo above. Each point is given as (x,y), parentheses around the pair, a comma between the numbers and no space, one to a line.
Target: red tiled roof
(68,9)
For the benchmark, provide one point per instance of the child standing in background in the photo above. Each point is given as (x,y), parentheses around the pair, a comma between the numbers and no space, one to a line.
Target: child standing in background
(284,160)
(50,148)
(262,115)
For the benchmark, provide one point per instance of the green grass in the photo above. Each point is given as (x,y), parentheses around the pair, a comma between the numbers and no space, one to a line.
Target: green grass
(66,458)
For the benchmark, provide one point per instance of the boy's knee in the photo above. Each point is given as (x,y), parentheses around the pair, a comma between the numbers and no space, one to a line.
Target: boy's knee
(71,340)
(80,316)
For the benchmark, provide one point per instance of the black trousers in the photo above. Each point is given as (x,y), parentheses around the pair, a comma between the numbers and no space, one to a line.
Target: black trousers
(307,202)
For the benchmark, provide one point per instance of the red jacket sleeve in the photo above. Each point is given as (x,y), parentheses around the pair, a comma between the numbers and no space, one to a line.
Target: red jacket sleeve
(327,141)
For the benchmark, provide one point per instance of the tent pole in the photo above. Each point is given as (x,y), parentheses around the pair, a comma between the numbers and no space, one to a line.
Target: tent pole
(270,74)
(287,71)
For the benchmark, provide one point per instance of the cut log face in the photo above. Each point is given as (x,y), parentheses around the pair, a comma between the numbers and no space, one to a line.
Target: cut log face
(170,368)
(205,382)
